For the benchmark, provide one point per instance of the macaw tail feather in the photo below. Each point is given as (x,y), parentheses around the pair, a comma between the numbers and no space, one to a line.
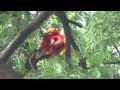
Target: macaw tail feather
(31,63)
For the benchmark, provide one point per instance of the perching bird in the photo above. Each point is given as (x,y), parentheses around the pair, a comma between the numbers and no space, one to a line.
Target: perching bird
(52,44)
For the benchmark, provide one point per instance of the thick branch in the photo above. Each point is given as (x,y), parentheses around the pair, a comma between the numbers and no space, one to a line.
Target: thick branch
(69,39)
(7,72)
(23,35)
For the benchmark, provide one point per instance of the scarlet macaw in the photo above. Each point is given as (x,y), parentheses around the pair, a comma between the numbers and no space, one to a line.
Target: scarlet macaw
(52,44)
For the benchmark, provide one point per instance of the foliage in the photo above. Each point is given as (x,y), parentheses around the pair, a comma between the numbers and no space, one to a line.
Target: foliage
(96,43)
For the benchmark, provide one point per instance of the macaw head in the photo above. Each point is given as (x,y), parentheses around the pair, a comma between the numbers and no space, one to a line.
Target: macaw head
(53,40)
(51,31)
(56,39)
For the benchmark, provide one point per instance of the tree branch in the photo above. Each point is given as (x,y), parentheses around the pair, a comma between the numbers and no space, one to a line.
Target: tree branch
(83,63)
(111,62)
(115,53)
(75,23)
(23,34)
(5,70)
(116,48)
(69,39)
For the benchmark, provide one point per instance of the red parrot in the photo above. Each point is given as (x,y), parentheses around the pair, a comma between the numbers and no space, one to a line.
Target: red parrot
(52,44)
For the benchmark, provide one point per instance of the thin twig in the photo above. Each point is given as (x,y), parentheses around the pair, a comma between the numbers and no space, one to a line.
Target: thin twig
(111,62)
(75,23)
(116,48)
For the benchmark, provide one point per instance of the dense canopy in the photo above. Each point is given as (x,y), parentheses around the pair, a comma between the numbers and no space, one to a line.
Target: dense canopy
(92,37)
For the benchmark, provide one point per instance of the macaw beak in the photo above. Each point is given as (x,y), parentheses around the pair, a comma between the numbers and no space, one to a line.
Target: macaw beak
(52,42)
